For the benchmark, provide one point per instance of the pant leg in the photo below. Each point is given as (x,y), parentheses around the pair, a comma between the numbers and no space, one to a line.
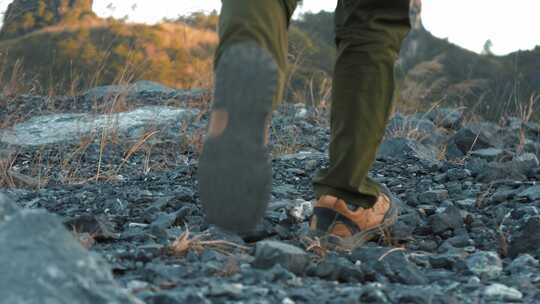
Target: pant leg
(264,22)
(369,34)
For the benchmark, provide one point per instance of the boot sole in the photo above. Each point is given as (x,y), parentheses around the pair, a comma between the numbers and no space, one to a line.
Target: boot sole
(235,173)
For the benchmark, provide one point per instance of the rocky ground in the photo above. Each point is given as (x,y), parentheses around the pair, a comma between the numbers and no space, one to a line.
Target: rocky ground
(468,230)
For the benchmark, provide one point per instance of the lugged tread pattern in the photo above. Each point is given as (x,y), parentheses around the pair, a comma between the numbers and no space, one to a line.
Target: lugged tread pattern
(235,173)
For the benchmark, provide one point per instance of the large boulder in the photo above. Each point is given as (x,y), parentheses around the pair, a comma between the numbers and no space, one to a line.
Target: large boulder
(41,262)
(65,128)
(474,137)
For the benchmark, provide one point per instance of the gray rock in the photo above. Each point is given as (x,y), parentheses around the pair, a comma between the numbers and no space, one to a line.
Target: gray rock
(453,152)
(270,253)
(499,292)
(97,226)
(532,193)
(526,240)
(162,298)
(447,260)
(489,154)
(7,208)
(226,290)
(449,219)
(41,262)
(164,220)
(129,90)
(532,129)
(402,148)
(466,203)
(474,137)
(514,123)
(527,159)
(391,263)
(503,194)
(302,155)
(420,295)
(460,241)
(335,268)
(373,293)
(433,196)
(455,174)
(446,117)
(503,171)
(61,128)
(524,263)
(402,126)
(485,264)
(404,228)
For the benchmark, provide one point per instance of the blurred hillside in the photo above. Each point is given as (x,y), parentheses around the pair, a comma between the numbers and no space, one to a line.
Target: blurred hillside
(61,46)
(431,71)
(67,52)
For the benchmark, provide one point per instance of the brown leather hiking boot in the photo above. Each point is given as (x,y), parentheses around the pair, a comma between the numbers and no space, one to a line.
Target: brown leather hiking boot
(353,226)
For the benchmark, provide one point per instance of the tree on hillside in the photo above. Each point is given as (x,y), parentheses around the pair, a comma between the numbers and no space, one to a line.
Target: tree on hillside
(486,50)
(201,20)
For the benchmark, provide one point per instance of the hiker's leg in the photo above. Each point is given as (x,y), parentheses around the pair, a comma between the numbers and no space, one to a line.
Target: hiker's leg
(369,34)
(235,173)
(264,22)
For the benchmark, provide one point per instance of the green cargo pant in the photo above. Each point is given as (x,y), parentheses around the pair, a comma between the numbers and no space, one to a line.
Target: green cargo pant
(369,34)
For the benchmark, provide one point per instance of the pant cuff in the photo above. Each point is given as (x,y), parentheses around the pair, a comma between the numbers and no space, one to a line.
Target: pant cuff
(365,201)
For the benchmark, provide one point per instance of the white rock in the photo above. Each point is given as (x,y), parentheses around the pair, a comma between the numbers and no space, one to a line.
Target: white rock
(301,210)
(500,292)
(57,128)
(288,301)
(485,264)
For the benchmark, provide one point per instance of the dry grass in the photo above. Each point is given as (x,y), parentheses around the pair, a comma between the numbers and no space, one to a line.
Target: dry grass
(408,130)
(73,165)
(11,178)
(136,147)
(483,196)
(526,112)
(316,92)
(503,237)
(6,165)
(315,246)
(187,242)
(67,168)
(12,86)
(390,252)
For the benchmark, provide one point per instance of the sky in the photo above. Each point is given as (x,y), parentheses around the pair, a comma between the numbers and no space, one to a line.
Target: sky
(510,25)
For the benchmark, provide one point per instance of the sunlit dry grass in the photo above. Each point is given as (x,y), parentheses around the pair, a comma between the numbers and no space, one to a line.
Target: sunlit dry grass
(199,242)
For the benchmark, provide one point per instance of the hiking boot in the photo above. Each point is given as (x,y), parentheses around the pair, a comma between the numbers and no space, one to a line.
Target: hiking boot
(350,226)
(235,173)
